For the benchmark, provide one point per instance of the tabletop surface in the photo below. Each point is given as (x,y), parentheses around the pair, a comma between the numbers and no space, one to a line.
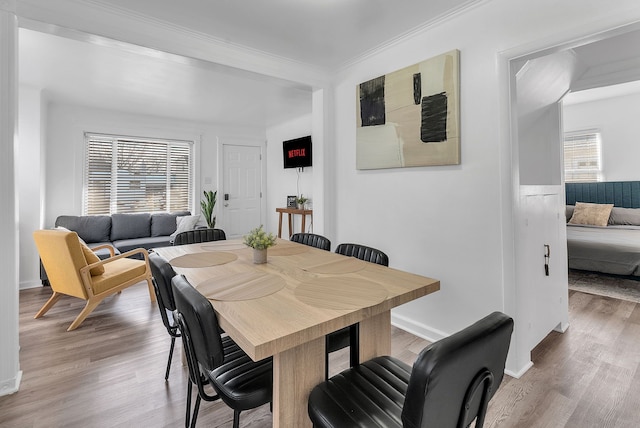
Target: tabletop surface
(300,294)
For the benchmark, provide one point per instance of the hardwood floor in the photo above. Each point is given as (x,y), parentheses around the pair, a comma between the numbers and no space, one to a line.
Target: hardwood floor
(110,371)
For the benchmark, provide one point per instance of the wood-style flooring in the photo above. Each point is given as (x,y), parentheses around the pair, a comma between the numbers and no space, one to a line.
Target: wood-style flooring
(110,371)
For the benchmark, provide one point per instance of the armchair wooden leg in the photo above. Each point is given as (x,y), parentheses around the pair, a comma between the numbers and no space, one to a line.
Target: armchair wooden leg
(152,293)
(52,301)
(88,308)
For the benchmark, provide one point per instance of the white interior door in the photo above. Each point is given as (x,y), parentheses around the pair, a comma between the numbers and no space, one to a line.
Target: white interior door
(242,189)
(542,241)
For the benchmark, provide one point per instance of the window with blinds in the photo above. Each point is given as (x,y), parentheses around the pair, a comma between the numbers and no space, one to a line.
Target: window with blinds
(582,160)
(132,175)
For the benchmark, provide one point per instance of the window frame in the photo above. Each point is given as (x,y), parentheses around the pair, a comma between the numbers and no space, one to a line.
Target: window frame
(192,145)
(596,173)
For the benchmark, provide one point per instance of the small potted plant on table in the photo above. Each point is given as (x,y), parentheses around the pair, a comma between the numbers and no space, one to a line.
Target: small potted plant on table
(259,240)
(301,201)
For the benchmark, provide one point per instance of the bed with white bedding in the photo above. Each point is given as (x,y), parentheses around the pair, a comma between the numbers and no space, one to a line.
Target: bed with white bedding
(606,236)
(613,249)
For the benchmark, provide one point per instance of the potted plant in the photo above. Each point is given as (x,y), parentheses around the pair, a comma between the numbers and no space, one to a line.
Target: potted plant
(207,206)
(259,240)
(301,201)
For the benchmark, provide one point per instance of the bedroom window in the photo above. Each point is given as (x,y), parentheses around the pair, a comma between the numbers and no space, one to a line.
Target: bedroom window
(582,160)
(132,175)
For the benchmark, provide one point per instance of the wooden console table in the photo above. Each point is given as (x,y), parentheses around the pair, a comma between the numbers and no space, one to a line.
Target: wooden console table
(290,212)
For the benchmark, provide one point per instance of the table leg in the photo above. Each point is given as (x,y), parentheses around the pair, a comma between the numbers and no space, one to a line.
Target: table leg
(290,225)
(304,218)
(295,372)
(280,225)
(375,336)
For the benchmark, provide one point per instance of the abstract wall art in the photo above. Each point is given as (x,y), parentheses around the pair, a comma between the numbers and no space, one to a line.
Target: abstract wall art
(410,117)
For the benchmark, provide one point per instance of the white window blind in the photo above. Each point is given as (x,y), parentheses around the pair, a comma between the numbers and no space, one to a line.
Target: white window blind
(130,175)
(582,160)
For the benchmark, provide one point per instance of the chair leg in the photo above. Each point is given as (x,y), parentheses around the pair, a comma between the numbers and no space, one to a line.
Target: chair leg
(187,418)
(354,345)
(173,344)
(52,301)
(326,358)
(236,419)
(88,308)
(196,409)
(152,293)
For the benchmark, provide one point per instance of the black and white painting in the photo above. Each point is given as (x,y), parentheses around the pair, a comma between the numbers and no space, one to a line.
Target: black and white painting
(410,117)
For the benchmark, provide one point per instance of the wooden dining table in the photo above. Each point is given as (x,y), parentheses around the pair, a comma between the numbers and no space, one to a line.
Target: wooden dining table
(284,308)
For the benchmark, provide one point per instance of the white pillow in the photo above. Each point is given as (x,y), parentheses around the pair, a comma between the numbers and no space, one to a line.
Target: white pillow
(184,223)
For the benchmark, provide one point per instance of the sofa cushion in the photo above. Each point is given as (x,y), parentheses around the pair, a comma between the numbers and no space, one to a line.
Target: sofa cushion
(125,245)
(164,224)
(90,228)
(129,226)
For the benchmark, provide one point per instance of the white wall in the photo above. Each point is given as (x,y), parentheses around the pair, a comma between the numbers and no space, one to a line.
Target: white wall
(283,182)
(65,149)
(617,120)
(454,223)
(10,373)
(29,172)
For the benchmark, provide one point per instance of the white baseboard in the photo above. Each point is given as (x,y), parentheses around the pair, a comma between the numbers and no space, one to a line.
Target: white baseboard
(433,335)
(420,330)
(29,284)
(520,372)
(12,385)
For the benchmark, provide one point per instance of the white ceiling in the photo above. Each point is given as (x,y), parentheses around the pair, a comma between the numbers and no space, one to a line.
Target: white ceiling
(327,33)
(142,81)
(101,73)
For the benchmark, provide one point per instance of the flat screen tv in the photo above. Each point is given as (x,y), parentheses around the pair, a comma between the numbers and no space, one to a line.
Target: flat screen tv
(297,152)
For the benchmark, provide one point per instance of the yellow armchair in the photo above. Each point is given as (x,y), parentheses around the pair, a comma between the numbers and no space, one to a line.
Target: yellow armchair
(78,272)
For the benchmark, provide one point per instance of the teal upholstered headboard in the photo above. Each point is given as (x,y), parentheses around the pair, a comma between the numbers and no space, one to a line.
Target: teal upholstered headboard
(624,194)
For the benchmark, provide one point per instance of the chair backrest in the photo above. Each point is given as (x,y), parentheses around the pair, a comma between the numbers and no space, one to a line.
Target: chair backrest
(202,335)
(362,252)
(62,258)
(312,240)
(162,273)
(196,236)
(454,378)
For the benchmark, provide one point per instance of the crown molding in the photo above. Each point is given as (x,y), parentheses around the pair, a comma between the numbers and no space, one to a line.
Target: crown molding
(416,31)
(8,5)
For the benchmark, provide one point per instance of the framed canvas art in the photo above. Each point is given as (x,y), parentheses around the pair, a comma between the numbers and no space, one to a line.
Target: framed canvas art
(410,117)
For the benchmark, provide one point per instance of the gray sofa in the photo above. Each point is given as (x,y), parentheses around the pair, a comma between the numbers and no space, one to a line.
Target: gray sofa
(122,231)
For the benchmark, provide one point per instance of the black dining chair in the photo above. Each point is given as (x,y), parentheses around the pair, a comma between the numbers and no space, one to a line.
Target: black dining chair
(312,240)
(362,252)
(349,336)
(162,273)
(197,236)
(449,385)
(215,360)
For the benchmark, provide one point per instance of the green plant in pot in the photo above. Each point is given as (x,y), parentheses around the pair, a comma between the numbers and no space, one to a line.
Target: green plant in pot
(207,206)
(301,201)
(259,240)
